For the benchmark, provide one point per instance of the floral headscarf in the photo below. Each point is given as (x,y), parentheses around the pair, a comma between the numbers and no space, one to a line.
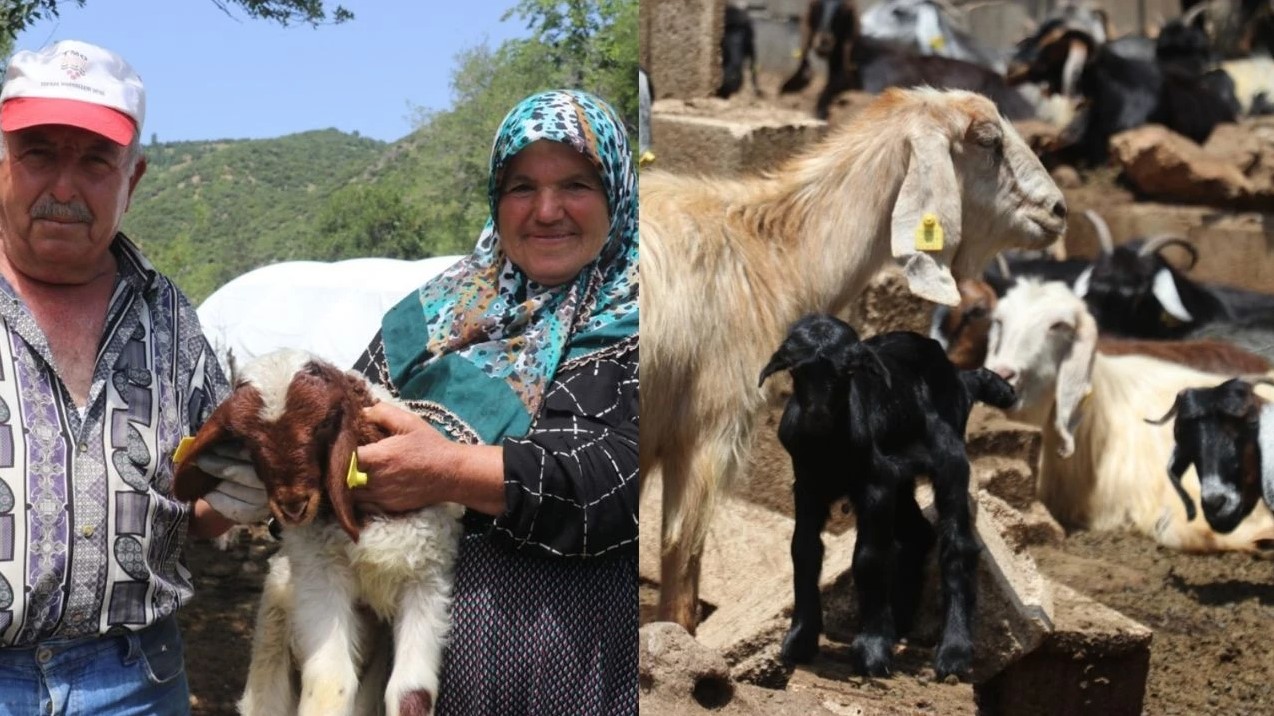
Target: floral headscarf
(478,345)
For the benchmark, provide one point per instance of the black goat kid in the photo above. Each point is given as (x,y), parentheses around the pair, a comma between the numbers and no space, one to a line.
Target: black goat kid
(865,419)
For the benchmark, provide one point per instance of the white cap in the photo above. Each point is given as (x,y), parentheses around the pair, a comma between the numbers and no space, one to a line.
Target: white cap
(77,84)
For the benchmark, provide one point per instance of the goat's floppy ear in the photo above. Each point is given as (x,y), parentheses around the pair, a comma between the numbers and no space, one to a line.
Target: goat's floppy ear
(1074,380)
(1265,443)
(339,458)
(1073,67)
(1165,290)
(189,482)
(863,358)
(356,397)
(925,225)
(1177,466)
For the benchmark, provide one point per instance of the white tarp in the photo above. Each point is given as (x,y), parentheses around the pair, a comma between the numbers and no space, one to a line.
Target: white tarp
(329,309)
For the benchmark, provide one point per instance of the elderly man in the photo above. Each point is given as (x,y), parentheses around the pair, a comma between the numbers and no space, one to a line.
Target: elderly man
(103,369)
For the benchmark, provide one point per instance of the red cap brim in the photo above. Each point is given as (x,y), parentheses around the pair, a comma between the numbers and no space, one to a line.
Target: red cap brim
(24,112)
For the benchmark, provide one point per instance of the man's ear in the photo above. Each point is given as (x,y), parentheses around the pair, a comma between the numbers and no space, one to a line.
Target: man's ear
(139,168)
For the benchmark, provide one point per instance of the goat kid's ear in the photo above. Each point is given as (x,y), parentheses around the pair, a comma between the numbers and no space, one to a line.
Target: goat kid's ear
(338,462)
(779,361)
(1074,379)
(865,359)
(189,482)
(925,223)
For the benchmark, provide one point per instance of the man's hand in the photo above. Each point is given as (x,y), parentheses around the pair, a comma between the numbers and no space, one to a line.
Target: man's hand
(239,495)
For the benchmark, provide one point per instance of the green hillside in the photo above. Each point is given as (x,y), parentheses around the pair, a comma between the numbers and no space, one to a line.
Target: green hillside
(207,211)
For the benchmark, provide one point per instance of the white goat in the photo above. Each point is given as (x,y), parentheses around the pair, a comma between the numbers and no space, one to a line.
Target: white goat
(337,577)
(1102,466)
(937,180)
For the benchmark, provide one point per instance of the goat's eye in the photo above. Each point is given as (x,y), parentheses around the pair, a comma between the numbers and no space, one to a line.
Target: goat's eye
(1060,327)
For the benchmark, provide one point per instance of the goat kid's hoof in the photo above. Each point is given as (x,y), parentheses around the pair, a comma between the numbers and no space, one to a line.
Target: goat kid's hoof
(872,655)
(800,646)
(953,660)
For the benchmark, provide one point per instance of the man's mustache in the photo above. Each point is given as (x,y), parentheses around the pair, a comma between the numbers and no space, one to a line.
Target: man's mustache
(50,208)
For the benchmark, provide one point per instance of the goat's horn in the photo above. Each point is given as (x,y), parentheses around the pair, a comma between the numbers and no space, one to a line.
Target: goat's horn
(1103,231)
(1261,381)
(1189,17)
(1155,244)
(1172,412)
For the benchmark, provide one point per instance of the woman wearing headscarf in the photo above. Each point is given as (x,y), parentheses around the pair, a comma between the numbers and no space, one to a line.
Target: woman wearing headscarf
(519,365)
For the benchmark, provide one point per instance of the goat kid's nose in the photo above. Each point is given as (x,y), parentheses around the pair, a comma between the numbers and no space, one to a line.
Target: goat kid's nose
(1059,209)
(293,510)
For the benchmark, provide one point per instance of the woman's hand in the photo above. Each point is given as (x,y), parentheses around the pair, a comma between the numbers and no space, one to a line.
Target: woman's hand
(416,466)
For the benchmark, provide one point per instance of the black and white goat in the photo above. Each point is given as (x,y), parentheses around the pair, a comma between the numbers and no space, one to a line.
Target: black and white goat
(339,577)
(1133,291)
(865,419)
(1227,433)
(1121,92)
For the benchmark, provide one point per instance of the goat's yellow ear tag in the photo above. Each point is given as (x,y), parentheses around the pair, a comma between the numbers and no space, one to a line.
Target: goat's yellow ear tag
(183,447)
(355,477)
(937,42)
(646,158)
(929,233)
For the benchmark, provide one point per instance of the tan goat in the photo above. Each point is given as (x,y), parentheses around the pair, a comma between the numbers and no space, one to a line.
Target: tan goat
(935,180)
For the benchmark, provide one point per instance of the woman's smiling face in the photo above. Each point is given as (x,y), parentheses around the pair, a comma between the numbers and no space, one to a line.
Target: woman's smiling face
(552,214)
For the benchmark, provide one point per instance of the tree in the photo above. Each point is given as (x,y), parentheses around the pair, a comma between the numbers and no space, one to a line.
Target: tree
(17,15)
(369,220)
(594,43)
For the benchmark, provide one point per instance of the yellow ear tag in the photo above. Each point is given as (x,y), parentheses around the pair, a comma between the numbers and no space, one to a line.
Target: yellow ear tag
(929,234)
(646,158)
(937,42)
(183,447)
(355,477)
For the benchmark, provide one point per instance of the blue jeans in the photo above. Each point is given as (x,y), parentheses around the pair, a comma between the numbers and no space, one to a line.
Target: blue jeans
(138,673)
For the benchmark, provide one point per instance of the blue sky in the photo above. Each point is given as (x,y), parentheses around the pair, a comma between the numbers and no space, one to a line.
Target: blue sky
(212,76)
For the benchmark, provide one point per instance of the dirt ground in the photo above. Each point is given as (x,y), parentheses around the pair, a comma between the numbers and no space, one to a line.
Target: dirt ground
(217,624)
(1212,617)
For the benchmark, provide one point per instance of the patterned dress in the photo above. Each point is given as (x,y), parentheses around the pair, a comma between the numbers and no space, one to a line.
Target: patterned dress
(546,609)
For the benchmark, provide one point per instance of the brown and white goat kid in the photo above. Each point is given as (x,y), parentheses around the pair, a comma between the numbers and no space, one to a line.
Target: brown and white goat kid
(1101,466)
(729,264)
(337,577)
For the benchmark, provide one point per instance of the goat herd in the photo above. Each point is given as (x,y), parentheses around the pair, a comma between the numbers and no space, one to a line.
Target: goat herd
(1142,380)
(1206,67)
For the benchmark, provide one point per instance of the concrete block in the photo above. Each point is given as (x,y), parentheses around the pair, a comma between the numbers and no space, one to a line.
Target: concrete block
(1095,661)
(747,578)
(713,137)
(680,44)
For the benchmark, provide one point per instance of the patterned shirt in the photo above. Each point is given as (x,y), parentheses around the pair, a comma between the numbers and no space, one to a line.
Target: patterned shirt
(90,535)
